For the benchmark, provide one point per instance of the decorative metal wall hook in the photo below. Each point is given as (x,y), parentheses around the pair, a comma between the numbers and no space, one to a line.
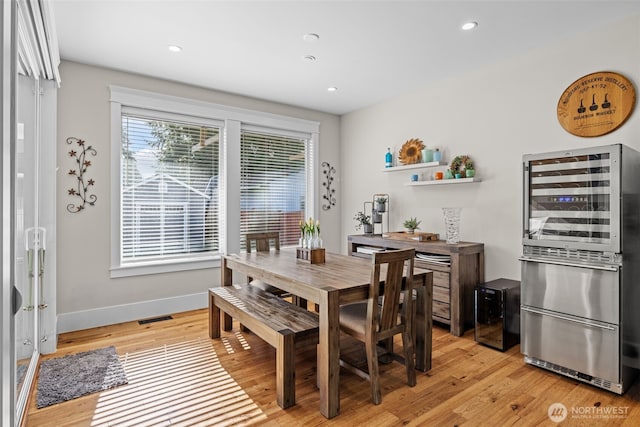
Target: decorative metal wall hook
(82,187)
(329,197)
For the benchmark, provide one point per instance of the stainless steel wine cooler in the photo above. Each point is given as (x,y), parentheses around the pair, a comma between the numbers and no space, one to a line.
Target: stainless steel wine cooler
(580,302)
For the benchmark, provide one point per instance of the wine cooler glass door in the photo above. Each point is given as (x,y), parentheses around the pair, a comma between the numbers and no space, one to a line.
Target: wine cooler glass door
(572,199)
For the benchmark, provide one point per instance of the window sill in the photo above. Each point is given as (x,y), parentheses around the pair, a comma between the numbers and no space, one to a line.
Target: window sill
(159,267)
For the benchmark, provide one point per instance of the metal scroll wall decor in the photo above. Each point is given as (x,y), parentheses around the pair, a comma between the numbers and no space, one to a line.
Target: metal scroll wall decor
(329,196)
(81,190)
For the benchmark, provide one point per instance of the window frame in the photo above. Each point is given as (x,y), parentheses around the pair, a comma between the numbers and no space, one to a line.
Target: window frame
(117,185)
(231,121)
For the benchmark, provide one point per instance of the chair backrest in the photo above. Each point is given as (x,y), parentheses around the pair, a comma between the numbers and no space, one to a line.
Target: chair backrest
(383,319)
(262,241)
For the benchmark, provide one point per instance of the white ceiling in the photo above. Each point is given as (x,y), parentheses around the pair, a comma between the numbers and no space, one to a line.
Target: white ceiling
(370,50)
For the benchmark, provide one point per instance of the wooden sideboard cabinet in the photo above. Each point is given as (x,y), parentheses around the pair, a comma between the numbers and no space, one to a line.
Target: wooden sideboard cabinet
(453,284)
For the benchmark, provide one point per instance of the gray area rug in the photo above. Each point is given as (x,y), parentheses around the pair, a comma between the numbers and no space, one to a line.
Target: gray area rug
(68,377)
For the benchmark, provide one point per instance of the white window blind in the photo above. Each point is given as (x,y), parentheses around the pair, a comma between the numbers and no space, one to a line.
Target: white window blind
(272,184)
(169,189)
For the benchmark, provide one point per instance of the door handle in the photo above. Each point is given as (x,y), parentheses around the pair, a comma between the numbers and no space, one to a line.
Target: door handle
(571,264)
(16,300)
(569,319)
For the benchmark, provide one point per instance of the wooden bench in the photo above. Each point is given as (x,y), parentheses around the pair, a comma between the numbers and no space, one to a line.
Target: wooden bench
(283,325)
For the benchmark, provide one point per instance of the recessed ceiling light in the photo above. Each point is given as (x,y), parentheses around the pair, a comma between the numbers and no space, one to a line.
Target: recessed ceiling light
(311,37)
(469,25)
(332,89)
(309,58)
(175,48)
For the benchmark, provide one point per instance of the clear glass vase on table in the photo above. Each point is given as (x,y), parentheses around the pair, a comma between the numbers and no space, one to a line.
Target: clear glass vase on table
(452,224)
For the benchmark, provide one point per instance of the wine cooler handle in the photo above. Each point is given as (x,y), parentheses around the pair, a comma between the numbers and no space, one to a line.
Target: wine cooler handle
(571,264)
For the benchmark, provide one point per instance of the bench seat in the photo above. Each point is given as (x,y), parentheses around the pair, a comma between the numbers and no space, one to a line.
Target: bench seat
(283,325)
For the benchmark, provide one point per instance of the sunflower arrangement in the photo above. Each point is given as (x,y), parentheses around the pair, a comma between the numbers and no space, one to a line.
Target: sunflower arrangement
(411,152)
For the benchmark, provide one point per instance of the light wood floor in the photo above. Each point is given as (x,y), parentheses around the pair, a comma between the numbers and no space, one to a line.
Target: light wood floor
(179,377)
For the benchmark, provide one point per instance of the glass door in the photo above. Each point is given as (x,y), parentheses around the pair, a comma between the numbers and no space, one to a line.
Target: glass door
(27,251)
(571,199)
(29,76)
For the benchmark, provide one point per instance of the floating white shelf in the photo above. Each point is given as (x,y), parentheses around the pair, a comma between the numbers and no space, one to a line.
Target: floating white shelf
(414,166)
(443,182)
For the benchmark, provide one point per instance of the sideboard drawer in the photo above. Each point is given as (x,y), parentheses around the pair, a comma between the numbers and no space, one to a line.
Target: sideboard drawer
(440,278)
(441,294)
(441,311)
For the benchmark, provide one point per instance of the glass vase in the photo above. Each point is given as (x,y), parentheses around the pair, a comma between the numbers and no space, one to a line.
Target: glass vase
(316,241)
(452,224)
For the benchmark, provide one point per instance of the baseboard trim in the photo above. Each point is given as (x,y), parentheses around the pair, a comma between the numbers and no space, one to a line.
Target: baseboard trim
(78,320)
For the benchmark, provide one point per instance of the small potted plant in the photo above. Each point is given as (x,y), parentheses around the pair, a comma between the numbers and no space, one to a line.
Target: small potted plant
(364,222)
(469,172)
(411,225)
(376,217)
(381,204)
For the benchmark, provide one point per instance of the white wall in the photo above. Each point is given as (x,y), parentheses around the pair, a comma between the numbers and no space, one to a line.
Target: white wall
(87,296)
(495,115)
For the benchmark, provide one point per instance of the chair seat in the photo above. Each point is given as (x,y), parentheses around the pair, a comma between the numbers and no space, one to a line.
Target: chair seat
(353,316)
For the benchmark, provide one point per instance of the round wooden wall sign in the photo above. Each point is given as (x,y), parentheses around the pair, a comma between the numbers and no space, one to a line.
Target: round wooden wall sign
(596,104)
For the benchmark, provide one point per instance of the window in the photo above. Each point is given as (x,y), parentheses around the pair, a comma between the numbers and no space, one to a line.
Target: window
(190,178)
(169,185)
(272,185)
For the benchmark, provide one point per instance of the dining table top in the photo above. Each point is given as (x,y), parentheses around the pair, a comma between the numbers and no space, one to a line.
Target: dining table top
(282,269)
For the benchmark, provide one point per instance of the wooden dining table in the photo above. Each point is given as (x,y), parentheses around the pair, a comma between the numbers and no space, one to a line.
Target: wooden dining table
(341,279)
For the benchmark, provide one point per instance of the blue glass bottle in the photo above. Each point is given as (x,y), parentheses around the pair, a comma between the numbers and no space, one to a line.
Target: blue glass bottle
(388,158)
(437,155)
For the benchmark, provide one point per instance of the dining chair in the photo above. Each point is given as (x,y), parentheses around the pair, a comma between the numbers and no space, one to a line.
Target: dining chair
(262,243)
(373,322)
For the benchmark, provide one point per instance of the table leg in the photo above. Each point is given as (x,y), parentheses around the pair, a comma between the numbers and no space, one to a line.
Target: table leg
(300,302)
(214,318)
(424,323)
(329,354)
(226,280)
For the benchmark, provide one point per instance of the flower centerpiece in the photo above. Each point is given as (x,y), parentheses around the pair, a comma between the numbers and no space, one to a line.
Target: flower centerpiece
(310,248)
(310,234)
